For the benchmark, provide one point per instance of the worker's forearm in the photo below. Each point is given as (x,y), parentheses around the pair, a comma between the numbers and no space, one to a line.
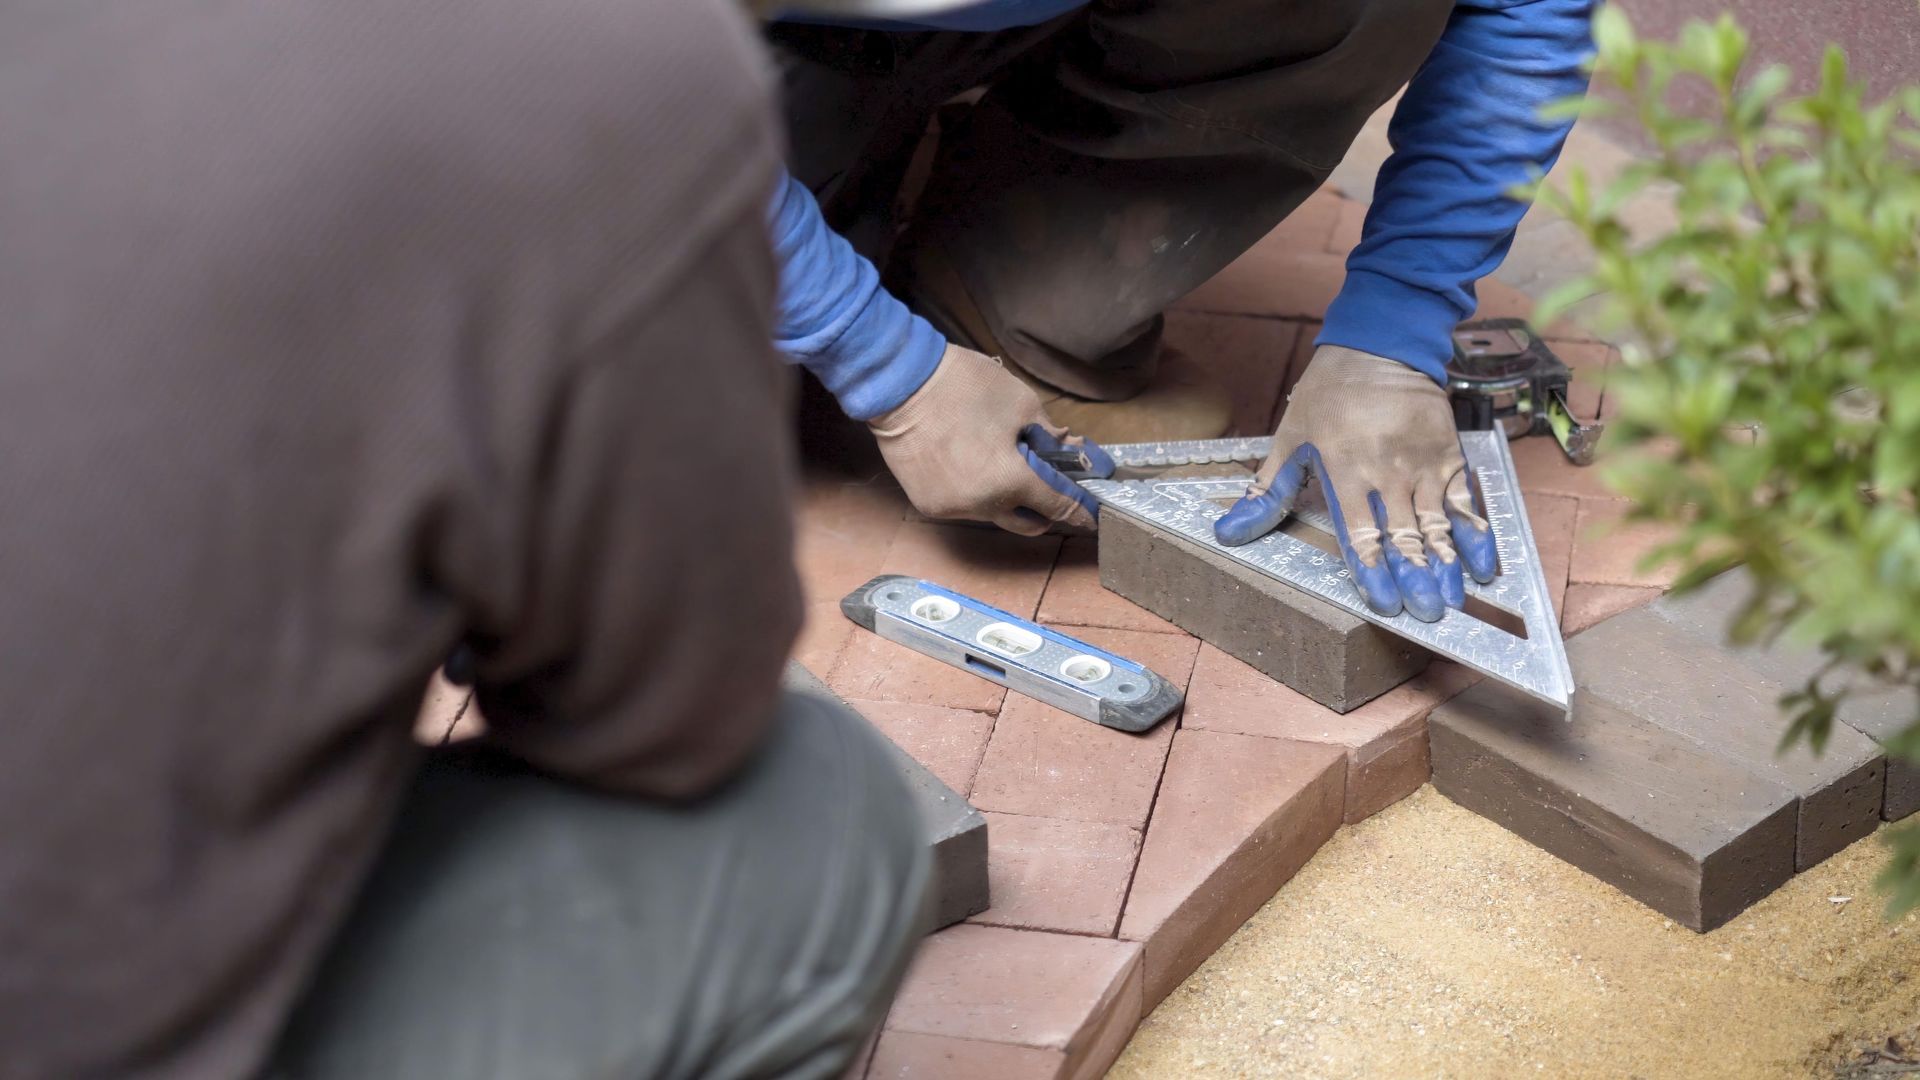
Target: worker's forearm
(1467,132)
(833,316)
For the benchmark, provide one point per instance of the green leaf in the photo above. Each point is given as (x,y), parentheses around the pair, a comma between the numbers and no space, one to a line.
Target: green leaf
(1576,108)
(1613,36)
(1561,298)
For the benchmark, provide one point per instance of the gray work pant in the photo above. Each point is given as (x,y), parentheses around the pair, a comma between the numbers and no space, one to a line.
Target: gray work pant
(521,928)
(1120,156)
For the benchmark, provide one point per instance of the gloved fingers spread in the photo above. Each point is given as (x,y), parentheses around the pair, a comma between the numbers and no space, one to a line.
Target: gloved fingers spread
(1471,534)
(1406,554)
(1359,528)
(1429,502)
(1268,501)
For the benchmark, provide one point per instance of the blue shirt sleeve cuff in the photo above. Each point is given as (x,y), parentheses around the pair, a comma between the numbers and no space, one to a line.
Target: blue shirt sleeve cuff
(884,356)
(1379,315)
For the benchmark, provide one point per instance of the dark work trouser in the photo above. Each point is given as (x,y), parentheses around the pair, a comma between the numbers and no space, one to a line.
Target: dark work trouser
(518,928)
(1120,156)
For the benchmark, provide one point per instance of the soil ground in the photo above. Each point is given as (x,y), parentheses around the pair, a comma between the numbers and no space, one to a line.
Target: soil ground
(1428,942)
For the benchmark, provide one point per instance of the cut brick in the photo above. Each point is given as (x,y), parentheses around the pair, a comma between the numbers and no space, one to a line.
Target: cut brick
(1237,817)
(949,742)
(1587,605)
(1075,597)
(1057,874)
(1043,762)
(994,567)
(903,1055)
(1330,655)
(955,831)
(1080,996)
(1686,832)
(1653,670)
(1385,740)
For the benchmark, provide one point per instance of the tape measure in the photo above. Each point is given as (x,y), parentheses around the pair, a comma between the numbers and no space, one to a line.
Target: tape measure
(1503,376)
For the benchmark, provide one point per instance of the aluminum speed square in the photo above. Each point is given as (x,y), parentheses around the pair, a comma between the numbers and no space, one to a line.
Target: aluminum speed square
(1023,656)
(1534,660)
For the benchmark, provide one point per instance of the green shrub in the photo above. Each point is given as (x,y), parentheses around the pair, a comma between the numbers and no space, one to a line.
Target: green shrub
(1787,302)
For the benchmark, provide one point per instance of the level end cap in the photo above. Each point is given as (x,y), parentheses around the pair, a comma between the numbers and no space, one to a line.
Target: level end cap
(1144,714)
(858,604)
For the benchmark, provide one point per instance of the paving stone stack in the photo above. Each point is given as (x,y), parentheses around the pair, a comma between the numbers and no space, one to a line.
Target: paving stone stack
(1665,781)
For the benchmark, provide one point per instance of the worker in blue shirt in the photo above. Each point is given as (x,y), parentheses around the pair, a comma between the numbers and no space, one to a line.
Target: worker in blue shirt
(1122,152)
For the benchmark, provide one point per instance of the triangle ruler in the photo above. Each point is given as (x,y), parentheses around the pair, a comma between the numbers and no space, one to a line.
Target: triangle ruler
(1527,652)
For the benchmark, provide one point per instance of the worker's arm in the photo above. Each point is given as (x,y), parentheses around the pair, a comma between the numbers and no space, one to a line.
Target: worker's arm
(1466,133)
(958,431)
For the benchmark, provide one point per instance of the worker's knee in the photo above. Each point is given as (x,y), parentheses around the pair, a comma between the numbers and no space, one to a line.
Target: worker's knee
(838,773)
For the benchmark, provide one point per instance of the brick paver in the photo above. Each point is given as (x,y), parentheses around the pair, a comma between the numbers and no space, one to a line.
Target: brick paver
(1589,604)
(1058,874)
(1237,816)
(1075,597)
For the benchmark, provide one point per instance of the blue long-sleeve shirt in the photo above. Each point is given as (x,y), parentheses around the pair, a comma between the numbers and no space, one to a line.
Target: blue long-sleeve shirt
(1465,133)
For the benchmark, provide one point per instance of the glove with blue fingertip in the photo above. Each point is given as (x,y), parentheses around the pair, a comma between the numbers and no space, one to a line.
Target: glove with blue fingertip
(1380,438)
(971,443)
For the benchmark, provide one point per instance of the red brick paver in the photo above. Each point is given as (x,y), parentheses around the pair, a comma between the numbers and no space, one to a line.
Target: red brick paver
(994,567)
(1058,874)
(845,530)
(1046,763)
(875,669)
(1384,740)
(1075,597)
(904,1055)
(1079,996)
(1250,355)
(1608,549)
(949,742)
(1590,604)
(1555,519)
(1237,816)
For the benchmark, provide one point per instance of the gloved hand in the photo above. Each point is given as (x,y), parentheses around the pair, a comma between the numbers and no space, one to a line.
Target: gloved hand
(1380,437)
(966,445)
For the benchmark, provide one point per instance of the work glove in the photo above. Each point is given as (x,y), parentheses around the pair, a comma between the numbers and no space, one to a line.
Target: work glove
(969,444)
(1380,437)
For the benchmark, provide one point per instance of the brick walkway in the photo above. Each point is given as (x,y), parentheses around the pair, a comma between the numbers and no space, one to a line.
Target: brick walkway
(1120,862)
